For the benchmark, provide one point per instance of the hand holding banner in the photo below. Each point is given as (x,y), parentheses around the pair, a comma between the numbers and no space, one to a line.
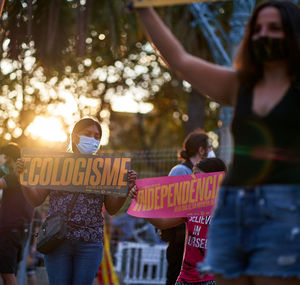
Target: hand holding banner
(75,172)
(148,3)
(176,196)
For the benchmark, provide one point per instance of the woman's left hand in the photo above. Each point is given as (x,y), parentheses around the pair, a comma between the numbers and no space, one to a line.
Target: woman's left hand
(20,167)
(132,176)
(132,192)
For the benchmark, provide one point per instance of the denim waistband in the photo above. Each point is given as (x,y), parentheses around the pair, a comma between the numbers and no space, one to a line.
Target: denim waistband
(260,192)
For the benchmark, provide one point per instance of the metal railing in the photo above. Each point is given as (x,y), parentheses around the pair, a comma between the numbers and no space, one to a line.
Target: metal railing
(148,163)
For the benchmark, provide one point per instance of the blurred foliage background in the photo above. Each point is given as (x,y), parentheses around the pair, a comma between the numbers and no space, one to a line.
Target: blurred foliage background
(65,59)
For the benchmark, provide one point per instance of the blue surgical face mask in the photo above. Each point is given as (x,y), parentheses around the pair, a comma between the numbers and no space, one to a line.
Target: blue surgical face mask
(211,154)
(5,169)
(88,145)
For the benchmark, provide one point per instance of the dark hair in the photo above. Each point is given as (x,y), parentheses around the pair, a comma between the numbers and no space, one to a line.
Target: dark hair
(192,143)
(249,70)
(211,164)
(82,124)
(11,150)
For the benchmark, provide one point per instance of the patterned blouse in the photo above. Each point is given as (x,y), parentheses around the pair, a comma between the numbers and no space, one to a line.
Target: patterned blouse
(85,221)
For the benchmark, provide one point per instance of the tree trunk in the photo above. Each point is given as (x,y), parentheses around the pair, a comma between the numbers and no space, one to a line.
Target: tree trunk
(196,112)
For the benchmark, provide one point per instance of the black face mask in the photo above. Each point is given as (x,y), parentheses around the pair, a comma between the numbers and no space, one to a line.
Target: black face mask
(267,49)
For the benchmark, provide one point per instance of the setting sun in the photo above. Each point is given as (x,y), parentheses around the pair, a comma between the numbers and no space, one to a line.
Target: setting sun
(47,128)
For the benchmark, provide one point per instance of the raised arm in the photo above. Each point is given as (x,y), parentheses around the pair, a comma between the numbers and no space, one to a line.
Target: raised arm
(219,83)
(113,203)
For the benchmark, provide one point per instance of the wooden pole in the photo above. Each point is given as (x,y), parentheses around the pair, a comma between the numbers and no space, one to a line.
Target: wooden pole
(1,6)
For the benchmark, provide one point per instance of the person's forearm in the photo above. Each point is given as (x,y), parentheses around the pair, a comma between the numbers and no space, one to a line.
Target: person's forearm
(220,83)
(35,197)
(161,36)
(113,204)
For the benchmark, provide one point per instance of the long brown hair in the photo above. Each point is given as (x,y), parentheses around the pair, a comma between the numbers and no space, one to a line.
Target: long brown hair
(250,72)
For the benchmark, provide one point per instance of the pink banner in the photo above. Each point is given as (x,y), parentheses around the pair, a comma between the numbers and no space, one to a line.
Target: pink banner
(176,196)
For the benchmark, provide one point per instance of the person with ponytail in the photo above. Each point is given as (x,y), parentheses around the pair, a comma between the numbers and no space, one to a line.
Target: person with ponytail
(196,147)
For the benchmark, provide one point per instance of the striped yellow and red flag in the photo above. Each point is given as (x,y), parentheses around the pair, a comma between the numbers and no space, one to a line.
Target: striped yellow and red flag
(1,6)
(106,273)
(147,3)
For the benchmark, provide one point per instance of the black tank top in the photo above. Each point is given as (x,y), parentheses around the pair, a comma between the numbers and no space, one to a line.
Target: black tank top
(267,148)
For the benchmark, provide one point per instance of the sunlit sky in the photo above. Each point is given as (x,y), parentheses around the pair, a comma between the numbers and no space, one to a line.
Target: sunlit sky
(50,128)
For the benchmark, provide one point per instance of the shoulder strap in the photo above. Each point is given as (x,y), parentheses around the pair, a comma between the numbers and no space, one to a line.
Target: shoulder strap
(188,164)
(71,205)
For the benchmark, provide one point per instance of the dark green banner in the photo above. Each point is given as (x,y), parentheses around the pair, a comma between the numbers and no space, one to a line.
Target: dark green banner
(75,172)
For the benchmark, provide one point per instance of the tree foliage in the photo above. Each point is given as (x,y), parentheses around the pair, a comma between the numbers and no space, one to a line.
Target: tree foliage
(79,55)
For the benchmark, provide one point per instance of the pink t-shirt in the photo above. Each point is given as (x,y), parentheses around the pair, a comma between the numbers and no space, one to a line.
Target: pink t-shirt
(195,248)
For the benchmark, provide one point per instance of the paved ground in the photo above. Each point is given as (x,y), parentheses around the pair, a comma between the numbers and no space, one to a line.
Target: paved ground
(41,276)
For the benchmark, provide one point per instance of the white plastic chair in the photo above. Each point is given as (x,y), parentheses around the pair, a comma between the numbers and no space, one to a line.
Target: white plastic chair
(141,263)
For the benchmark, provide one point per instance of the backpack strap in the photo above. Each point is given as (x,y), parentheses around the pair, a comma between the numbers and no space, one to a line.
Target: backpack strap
(188,164)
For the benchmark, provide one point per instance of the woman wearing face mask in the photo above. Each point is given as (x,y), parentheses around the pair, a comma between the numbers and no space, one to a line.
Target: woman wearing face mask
(254,237)
(78,258)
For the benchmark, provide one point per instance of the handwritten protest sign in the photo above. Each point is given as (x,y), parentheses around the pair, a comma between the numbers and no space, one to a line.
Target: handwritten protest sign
(176,196)
(147,3)
(75,172)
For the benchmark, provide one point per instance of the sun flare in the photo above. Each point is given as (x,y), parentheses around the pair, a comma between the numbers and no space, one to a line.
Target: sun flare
(48,129)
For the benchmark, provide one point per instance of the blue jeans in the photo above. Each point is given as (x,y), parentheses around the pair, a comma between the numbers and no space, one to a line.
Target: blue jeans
(256,231)
(74,263)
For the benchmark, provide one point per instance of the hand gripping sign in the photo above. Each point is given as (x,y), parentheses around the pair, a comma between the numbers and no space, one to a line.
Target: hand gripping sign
(147,3)
(75,172)
(176,196)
